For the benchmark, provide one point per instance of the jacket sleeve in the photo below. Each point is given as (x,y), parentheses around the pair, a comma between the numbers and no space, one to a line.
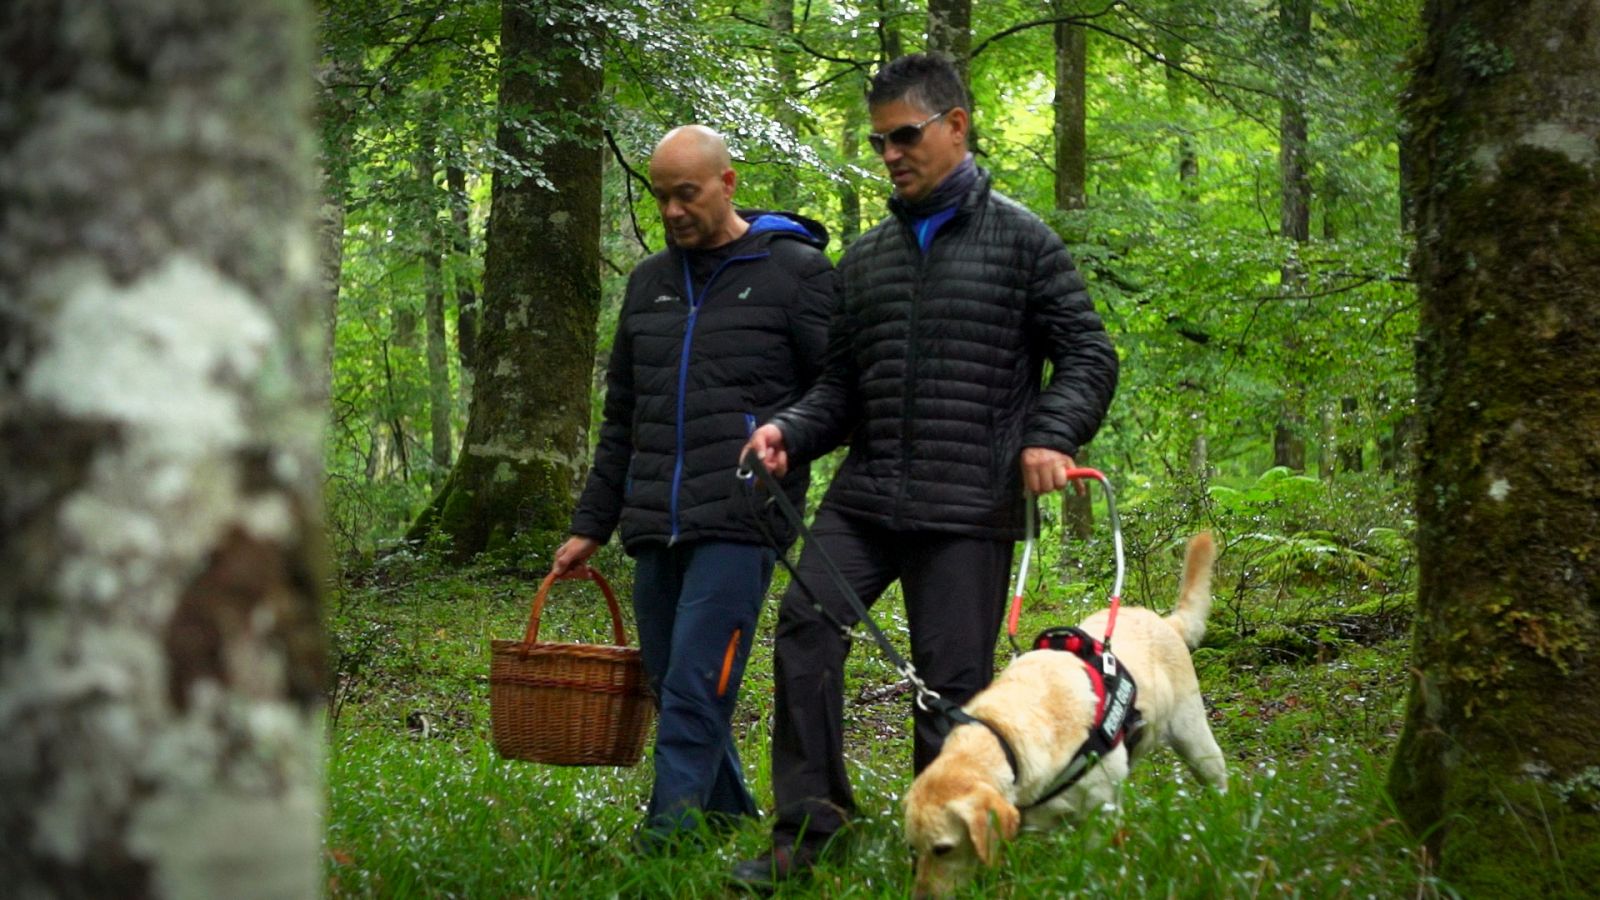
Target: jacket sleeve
(600,506)
(1070,334)
(821,419)
(808,317)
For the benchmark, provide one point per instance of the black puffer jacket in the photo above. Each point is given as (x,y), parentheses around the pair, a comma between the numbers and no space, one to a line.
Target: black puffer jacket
(692,371)
(934,369)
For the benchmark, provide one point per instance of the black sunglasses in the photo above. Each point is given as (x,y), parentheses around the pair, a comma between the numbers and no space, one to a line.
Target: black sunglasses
(906,136)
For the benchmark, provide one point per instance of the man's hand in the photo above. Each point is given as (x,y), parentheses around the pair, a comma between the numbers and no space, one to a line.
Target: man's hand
(574,552)
(1045,470)
(767,444)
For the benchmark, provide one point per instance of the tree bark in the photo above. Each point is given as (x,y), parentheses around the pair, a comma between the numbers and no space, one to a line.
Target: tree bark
(465,292)
(527,432)
(1350,435)
(950,33)
(1071,194)
(440,402)
(849,197)
(161,655)
(780,17)
(1294,19)
(888,34)
(1186,158)
(1071,131)
(1497,766)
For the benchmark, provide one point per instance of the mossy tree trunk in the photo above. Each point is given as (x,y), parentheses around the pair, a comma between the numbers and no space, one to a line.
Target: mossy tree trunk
(161,655)
(527,429)
(1499,763)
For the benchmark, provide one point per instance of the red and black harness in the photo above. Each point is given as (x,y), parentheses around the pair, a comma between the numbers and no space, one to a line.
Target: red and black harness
(1116,720)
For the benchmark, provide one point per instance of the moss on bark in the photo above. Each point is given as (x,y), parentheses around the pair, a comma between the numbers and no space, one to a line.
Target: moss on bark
(1508,687)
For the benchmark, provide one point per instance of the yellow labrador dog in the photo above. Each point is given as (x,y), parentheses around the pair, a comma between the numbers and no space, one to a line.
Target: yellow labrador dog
(967,800)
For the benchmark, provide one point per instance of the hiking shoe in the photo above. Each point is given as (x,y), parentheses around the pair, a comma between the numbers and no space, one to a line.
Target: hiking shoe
(784,862)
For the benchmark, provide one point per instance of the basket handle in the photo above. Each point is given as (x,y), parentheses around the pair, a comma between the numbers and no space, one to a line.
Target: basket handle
(579,572)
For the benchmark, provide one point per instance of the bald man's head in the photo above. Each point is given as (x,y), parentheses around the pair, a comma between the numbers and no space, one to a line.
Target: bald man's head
(692,178)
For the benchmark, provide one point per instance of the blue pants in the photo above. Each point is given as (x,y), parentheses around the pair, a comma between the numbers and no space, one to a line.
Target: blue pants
(696,605)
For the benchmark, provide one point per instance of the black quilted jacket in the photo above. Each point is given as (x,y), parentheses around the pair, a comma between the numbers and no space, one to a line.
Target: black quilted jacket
(934,369)
(691,374)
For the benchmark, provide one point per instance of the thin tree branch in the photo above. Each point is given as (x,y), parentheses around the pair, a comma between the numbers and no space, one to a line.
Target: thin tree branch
(628,184)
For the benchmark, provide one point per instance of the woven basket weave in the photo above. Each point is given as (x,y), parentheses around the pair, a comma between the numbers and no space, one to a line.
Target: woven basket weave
(569,704)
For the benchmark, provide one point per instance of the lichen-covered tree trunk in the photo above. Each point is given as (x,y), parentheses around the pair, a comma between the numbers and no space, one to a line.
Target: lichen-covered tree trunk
(950,33)
(1499,763)
(527,431)
(161,655)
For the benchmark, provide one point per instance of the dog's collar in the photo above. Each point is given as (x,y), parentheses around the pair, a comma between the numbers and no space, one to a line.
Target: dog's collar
(961,717)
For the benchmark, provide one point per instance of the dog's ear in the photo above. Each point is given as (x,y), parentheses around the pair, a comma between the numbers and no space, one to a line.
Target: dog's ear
(989,821)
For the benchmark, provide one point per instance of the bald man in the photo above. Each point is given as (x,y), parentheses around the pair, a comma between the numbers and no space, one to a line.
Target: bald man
(722,328)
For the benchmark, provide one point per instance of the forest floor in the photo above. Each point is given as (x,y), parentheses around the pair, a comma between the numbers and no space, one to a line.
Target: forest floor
(1307,706)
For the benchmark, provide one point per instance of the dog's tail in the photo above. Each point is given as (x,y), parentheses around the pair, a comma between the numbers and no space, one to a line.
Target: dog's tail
(1194,594)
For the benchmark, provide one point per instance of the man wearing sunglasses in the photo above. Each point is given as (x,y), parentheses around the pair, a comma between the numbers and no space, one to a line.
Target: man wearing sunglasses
(948,311)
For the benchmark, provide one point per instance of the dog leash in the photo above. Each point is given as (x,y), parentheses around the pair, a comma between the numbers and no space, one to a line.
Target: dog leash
(927,698)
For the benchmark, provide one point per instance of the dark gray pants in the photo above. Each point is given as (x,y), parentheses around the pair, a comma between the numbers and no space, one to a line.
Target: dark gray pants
(955,594)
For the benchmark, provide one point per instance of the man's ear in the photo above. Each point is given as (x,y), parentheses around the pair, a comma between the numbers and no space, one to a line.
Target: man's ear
(730,180)
(991,821)
(960,122)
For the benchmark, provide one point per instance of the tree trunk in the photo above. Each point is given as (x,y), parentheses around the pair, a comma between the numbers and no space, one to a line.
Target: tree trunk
(849,197)
(1350,435)
(1071,193)
(1187,160)
(780,17)
(1497,766)
(1072,153)
(527,431)
(888,34)
(161,653)
(440,402)
(950,33)
(1294,19)
(465,292)
(1288,447)
(335,114)
(334,194)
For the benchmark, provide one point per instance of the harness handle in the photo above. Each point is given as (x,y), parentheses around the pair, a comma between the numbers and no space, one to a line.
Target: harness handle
(1081,473)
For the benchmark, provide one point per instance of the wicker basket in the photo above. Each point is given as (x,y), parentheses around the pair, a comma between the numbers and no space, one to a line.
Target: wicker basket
(569,704)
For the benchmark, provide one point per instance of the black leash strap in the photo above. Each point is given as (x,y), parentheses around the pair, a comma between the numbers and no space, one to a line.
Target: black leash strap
(927,698)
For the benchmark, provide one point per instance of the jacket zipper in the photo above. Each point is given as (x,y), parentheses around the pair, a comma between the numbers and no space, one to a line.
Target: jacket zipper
(909,400)
(683,369)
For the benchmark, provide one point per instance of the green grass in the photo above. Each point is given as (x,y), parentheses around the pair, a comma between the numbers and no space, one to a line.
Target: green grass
(426,809)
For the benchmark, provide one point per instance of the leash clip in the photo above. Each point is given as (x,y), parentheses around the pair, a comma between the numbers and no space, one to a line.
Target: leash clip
(925,694)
